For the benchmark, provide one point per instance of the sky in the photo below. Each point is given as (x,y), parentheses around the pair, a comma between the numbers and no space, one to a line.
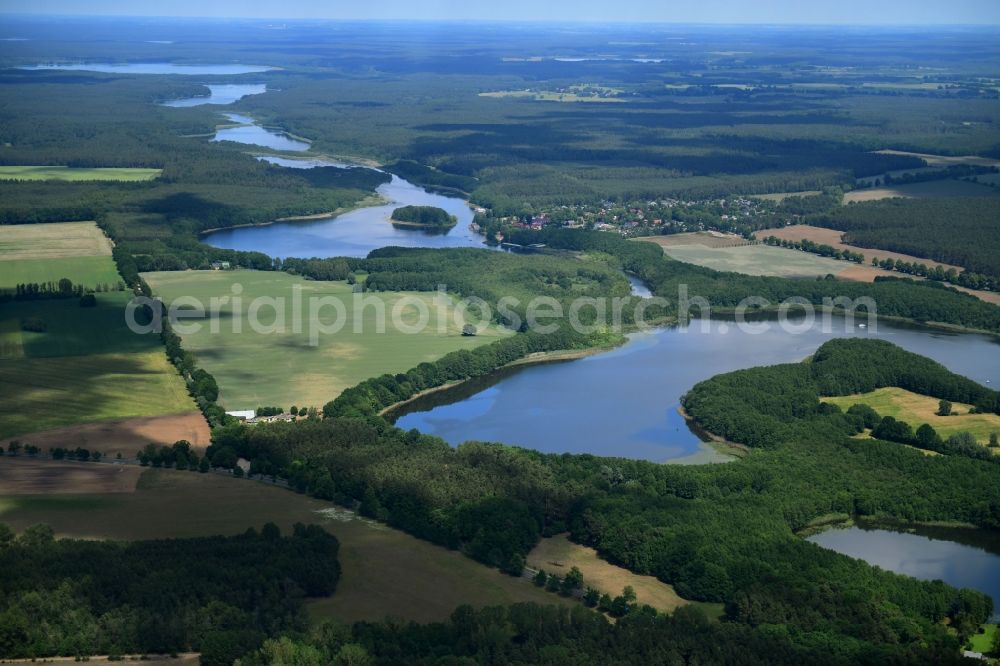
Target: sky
(850,12)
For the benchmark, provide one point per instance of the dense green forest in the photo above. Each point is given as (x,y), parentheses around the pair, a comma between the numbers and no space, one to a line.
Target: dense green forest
(962,232)
(221,596)
(531,634)
(424,216)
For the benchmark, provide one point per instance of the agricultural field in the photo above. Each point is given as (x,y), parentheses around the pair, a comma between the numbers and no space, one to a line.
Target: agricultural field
(77,174)
(832,237)
(46,393)
(781,196)
(49,252)
(946,160)
(918,409)
(931,189)
(757,260)
(123,436)
(282,367)
(385,572)
(85,366)
(40,477)
(557,555)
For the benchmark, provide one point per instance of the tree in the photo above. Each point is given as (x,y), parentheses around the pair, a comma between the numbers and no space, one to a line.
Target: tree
(572,582)
(14,447)
(591,597)
(540,578)
(944,408)
(927,437)
(36,536)
(993,440)
(469,330)
(203,466)
(553,584)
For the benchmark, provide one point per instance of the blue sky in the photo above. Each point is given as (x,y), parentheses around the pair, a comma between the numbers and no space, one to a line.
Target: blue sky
(855,12)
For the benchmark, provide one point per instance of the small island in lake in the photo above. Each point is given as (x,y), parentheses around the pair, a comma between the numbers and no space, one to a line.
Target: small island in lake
(424,217)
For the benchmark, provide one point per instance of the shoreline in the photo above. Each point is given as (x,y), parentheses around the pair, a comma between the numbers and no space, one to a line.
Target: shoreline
(367,202)
(719,444)
(536,358)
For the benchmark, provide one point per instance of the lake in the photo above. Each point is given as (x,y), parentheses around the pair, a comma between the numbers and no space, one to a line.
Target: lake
(960,557)
(154,68)
(248,131)
(226,93)
(356,233)
(624,402)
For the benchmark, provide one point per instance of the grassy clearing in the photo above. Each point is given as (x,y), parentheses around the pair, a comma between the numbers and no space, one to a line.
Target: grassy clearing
(757,260)
(385,572)
(917,409)
(557,555)
(45,393)
(76,174)
(283,368)
(984,642)
(931,189)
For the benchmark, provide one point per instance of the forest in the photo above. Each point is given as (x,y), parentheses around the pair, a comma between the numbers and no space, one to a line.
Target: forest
(953,231)
(221,596)
(493,502)
(527,633)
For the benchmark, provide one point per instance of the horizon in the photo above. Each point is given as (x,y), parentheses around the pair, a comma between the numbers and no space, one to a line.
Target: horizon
(847,13)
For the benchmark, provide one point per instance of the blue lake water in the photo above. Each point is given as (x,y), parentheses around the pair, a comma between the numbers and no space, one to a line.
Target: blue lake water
(226,93)
(154,68)
(356,233)
(249,132)
(963,558)
(624,402)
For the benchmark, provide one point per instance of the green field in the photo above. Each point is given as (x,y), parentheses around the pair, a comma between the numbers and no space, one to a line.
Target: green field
(88,271)
(49,252)
(69,329)
(45,393)
(76,174)
(984,642)
(757,260)
(385,572)
(918,409)
(283,368)
(85,367)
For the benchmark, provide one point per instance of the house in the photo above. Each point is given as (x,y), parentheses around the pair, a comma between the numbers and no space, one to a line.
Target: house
(220,265)
(243,414)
